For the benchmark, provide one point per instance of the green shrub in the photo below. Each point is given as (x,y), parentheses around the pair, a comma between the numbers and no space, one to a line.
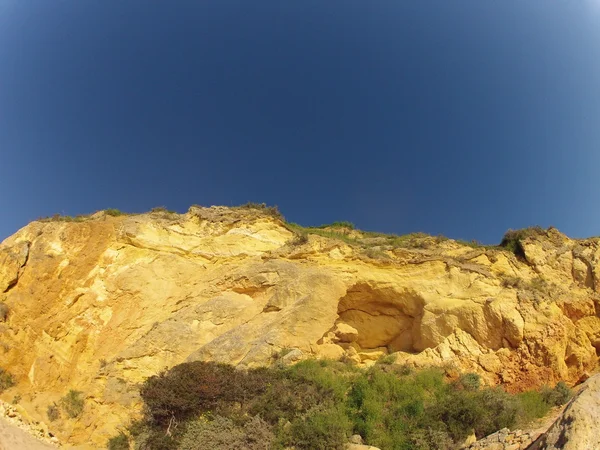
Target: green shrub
(500,411)
(113,212)
(53,412)
(72,403)
(431,439)
(186,390)
(221,433)
(118,442)
(331,378)
(532,406)
(387,359)
(6,380)
(156,439)
(318,404)
(319,429)
(557,396)
(284,399)
(511,240)
(300,238)
(470,381)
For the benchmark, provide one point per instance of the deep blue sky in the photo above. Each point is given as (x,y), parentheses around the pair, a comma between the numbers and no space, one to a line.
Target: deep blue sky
(463,118)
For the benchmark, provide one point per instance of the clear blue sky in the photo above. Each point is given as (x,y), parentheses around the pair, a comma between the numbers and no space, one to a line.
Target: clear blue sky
(462,118)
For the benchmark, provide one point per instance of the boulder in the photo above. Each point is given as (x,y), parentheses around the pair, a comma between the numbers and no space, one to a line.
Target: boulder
(577,427)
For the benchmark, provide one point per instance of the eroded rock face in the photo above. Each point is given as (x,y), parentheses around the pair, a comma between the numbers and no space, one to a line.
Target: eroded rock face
(577,427)
(102,304)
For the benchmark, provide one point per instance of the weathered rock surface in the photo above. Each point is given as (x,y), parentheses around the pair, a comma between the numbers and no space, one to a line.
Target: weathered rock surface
(577,427)
(101,304)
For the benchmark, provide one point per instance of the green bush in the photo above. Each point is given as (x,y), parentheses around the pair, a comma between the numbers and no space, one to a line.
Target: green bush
(557,396)
(319,404)
(186,390)
(221,433)
(532,406)
(113,212)
(6,380)
(431,439)
(284,399)
(319,429)
(511,240)
(118,442)
(470,381)
(387,359)
(300,238)
(72,403)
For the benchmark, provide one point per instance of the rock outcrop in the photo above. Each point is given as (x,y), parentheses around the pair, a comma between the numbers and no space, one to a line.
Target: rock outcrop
(100,304)
(577,427)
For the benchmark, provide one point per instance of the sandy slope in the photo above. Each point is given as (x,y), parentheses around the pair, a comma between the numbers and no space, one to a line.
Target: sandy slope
(13,438)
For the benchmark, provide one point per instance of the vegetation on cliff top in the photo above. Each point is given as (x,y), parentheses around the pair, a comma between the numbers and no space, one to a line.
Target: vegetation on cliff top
(344,231)
(320,404)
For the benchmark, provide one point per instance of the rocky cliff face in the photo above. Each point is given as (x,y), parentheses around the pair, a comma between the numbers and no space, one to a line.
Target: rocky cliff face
(100,304)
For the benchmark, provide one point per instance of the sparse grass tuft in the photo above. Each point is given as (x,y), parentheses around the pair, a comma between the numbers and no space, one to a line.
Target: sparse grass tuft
(378,255)
(4,310)
(341,224)
(472,243)
(6,380)
(72,403)
(162,209)
(268,210)
(53,412)
(416,240)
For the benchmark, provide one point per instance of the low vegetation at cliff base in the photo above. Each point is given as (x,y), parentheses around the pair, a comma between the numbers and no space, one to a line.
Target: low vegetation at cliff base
(6,380)
(320,404)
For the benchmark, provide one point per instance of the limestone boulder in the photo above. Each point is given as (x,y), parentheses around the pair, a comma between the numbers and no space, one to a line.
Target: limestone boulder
(577,427)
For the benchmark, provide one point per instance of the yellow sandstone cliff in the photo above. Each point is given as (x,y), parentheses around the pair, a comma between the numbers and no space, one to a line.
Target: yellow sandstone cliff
(100,304)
